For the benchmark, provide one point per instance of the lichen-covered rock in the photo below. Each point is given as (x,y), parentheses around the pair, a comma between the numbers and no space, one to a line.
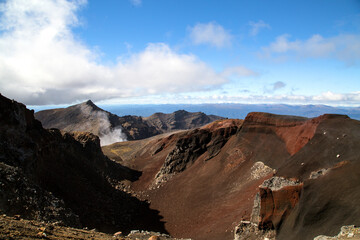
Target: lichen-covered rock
(247,230)
(346,232)
(260,170)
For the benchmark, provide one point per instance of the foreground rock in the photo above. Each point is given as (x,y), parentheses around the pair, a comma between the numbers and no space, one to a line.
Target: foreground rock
(347,232)
(18,228)
(52,176)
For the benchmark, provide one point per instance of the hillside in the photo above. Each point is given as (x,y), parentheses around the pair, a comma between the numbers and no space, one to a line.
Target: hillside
(112,128)
(292,177)
(267,176)
(63,178)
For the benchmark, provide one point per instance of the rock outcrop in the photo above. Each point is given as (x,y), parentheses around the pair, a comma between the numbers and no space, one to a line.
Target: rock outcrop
(346,232)
(278,196)
(190,147)
(248,230)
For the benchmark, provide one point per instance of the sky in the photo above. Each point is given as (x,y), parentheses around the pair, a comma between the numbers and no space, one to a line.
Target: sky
(180,51)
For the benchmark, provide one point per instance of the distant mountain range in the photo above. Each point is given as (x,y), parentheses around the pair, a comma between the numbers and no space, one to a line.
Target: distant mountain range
(112,128)
(232,110)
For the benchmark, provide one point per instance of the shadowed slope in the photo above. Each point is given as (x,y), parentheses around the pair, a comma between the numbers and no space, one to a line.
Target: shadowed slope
(64,170)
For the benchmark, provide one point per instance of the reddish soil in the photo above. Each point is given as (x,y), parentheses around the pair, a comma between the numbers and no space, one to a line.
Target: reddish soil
(209,197)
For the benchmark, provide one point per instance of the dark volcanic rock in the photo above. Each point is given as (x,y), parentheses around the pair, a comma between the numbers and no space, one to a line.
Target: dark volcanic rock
(42,171)
(20,196)
(136,127)
(190,147)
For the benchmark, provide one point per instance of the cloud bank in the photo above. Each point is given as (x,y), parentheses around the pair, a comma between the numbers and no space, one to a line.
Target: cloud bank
(42,62)
(268,97)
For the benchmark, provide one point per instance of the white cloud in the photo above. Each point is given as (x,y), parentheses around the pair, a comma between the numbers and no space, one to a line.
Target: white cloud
(41,62)
(343,47)
(238,71)
(257,26)
(210,33)
(136,2)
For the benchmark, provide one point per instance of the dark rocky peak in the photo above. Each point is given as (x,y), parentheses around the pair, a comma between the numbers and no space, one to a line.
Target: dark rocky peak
(88,105)
(16,114)
(92,105)
(180,112)
(89,102)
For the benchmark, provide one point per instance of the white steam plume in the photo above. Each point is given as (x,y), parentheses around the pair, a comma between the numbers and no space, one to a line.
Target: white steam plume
(99,124)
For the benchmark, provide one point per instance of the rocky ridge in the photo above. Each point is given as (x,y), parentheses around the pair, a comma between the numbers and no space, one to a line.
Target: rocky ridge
(112,128)
(52,176)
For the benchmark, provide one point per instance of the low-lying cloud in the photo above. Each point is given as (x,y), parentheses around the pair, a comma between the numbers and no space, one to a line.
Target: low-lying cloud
(328,98)
(42,62)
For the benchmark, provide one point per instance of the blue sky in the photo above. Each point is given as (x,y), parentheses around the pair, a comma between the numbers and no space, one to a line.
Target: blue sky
(180,51)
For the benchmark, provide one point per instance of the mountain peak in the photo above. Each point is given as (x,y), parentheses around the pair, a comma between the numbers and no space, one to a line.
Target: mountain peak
(91,104)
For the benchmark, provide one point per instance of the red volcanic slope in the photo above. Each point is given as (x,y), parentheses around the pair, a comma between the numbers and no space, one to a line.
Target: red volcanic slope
(206,196)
